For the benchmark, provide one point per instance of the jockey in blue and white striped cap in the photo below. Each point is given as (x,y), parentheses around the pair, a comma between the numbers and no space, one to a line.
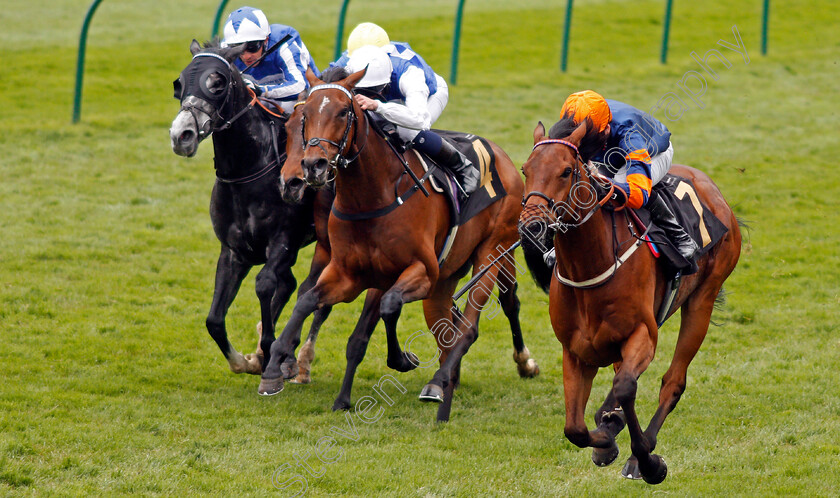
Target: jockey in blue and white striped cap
(280,75)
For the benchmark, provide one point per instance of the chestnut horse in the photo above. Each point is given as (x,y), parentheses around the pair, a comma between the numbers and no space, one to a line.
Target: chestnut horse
(395,247)
(611,321)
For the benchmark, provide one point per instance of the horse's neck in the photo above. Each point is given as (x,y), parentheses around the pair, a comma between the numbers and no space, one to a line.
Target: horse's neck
(586,251)
(244,147)
(368,182)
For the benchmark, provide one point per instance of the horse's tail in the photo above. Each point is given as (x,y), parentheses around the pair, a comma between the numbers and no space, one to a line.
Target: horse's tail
(720,305)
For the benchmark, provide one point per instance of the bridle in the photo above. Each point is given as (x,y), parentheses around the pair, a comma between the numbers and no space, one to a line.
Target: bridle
(576,178)
(192,103)
(340,160)
(619,259)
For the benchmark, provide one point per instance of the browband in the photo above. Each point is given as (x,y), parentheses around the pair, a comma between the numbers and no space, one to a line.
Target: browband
(557,141)
(211,54)
(329,86)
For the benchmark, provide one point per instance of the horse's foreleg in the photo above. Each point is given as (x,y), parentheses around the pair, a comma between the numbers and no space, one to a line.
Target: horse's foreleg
(307,351)
(577,385)
(331,288)
(637,353)
(610,418)
(460,338)
(412,284)
(357,346)
(275,284)
(229,275)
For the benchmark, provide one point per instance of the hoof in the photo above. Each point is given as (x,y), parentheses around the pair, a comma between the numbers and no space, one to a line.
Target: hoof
(270,387)
(431,393)
(604,456)
(525,365)
(255,362)
(659,473)
(289,368)
(529,369)
(302,378)
(631,469)
(237,363)
(407,362)
(340,404)
(613,421)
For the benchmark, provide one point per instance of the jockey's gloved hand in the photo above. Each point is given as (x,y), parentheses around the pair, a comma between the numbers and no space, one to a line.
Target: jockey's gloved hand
(620,196)
(251,83)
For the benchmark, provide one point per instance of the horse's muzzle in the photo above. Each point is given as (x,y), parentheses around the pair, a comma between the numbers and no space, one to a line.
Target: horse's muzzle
(316,171)
(292,190)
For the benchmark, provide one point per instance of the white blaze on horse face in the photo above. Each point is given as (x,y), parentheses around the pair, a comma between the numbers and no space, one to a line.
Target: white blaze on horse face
(184,121)
(323,104)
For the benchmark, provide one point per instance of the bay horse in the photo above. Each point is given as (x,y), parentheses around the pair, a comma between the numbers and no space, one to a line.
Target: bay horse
(612,320)
(392,243)
(252,222)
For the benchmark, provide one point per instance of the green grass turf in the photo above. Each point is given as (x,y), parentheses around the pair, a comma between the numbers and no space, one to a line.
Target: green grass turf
(111,385)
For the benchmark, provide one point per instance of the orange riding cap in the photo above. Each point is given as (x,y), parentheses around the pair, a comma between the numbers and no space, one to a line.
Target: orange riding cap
(588,104)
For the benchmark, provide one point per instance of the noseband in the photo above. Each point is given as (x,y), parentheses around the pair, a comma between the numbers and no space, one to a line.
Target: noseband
(339,160)
(559,224)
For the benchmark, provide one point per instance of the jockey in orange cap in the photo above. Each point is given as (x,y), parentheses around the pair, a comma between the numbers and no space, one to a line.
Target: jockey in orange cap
(637,153)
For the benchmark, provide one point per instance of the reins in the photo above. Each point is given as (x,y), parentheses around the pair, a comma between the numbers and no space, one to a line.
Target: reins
(339,160)
(215,116)
(607,274)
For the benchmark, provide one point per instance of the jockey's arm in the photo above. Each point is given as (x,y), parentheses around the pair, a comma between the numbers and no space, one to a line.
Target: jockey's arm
(414,113)
(292,61)
(637,154)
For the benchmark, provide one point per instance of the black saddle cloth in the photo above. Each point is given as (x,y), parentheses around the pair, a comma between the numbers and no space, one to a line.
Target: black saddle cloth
(695,218)
(490,190)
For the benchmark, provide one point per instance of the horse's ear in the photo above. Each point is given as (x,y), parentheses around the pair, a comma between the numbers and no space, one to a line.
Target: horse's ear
(579,133)
(539,132)
(351,81)
(195,47)
(311,78)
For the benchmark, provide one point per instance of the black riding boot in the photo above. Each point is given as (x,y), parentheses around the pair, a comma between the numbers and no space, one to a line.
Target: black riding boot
(457,163)
(662,216)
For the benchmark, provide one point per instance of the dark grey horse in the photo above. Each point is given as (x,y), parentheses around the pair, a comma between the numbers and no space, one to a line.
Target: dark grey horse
(252,222)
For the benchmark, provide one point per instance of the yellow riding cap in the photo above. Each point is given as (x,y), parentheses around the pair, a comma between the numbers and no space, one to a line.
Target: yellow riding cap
(366,33)
(588,104)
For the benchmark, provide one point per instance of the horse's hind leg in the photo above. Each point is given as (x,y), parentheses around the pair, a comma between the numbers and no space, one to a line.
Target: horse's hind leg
(525,365)
(229,275)
(357,346)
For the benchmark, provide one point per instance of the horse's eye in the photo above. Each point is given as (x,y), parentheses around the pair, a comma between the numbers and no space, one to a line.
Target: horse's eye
(344,112)
(215,83)
(566,172)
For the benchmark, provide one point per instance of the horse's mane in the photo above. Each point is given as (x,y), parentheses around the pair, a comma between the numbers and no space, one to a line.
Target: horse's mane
(333,74)
(215,46)
(591,143)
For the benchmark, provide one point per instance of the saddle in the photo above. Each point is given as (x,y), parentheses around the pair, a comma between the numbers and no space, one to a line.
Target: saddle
(477,150)
(695,218)
(698,222)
